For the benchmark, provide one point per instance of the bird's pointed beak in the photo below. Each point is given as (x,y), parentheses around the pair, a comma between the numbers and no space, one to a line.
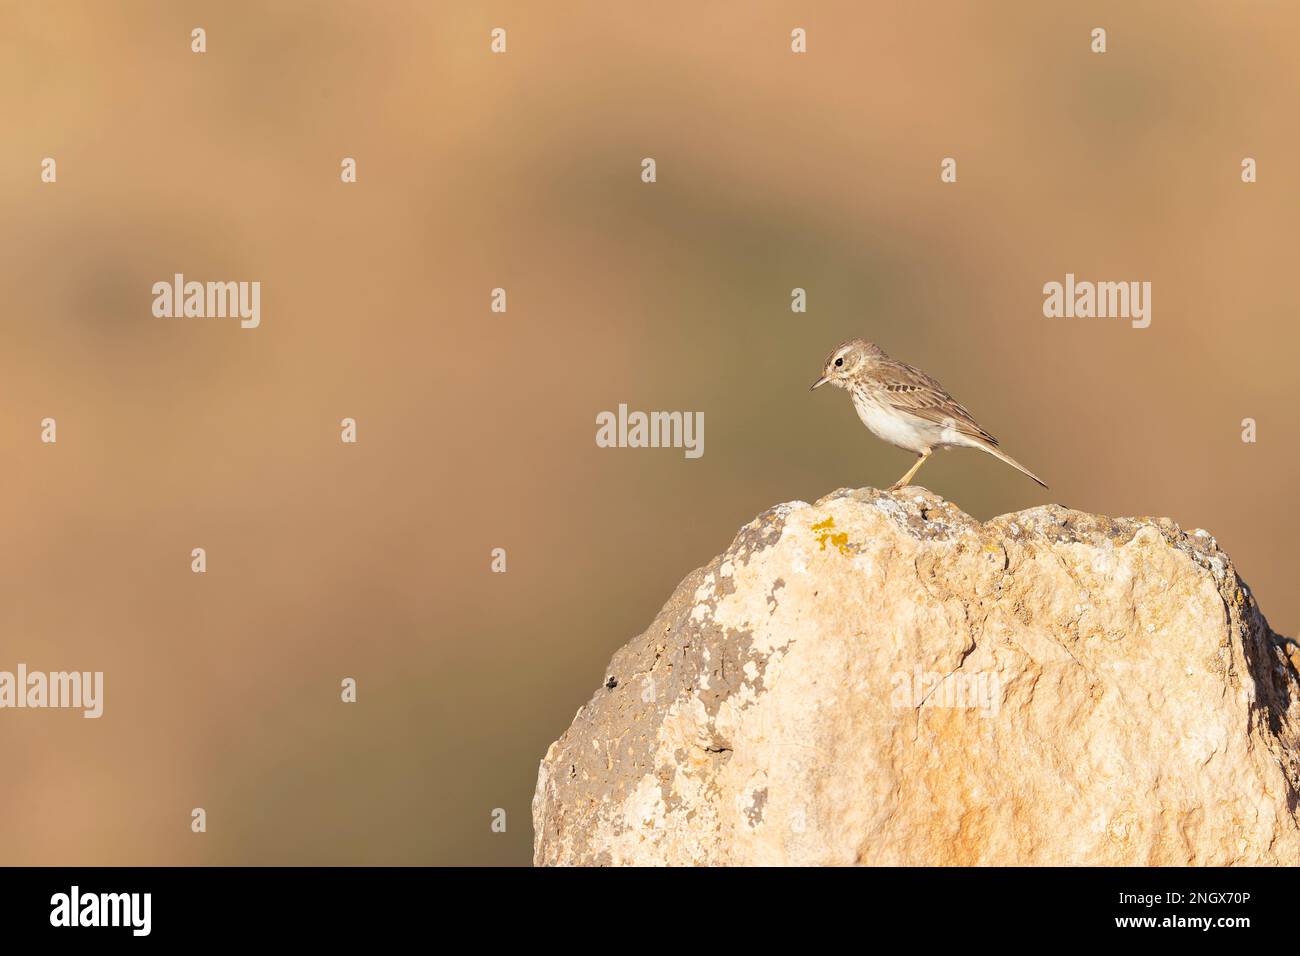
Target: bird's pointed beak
(819,383)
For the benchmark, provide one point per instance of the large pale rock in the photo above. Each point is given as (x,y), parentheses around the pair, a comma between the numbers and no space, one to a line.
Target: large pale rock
(879,678)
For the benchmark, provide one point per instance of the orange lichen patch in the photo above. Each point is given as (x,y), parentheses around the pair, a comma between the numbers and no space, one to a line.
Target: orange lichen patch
(838,541)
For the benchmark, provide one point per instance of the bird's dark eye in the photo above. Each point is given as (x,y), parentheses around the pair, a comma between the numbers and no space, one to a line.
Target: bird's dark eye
(839,362)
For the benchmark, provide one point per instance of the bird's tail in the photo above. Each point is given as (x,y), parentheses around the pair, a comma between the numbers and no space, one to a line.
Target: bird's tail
(1003,456)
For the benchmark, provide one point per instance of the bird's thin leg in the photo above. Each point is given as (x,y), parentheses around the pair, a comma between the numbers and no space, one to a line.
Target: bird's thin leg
(902,482)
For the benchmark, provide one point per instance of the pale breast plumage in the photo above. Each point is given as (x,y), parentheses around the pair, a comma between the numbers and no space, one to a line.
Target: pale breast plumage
(899,428)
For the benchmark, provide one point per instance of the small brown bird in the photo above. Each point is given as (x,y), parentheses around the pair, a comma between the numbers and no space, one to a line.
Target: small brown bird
(905,407)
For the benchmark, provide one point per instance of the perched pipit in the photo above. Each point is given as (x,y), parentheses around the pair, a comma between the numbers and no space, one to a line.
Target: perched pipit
(905,407)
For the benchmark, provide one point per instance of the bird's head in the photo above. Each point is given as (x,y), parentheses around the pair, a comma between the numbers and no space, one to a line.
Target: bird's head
(846,362)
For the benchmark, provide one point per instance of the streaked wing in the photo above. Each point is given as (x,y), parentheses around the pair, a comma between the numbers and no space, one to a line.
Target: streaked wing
(910,390)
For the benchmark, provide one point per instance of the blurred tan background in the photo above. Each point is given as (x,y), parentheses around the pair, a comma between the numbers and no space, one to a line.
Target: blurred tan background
(477,430)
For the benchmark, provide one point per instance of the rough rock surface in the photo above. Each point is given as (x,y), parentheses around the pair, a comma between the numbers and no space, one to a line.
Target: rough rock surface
(879,678)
